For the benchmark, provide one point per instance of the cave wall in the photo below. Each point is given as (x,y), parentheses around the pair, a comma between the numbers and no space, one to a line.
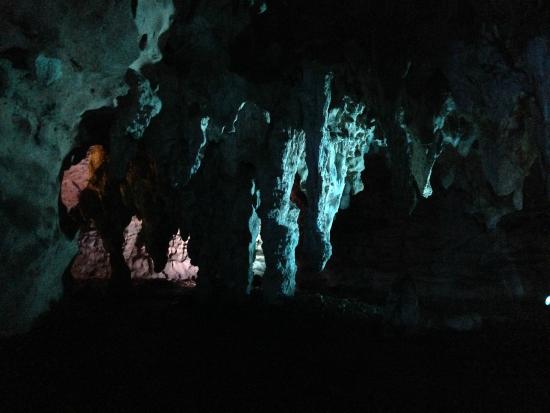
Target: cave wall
(57,60)
(455,262)
(211,111)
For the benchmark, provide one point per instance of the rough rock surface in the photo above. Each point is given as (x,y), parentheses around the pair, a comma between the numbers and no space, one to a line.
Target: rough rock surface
(178,266)
(337,150)
(54,64)
(92,261)
(213,119)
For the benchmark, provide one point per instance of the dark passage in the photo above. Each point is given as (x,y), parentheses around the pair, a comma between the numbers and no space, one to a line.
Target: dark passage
(163,351)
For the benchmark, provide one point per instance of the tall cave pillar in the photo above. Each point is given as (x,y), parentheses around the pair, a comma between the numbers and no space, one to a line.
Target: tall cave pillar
(315,103)
(279,215)
(223,234)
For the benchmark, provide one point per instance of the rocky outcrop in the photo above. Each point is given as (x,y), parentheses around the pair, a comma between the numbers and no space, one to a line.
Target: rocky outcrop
(92,260)
(212,119)
(178,266)
(152,18)
(55,65)
(278,214)
(497,95)
(276,156)
(335,163)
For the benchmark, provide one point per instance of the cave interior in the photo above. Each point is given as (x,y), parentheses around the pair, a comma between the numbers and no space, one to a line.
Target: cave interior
(235,205)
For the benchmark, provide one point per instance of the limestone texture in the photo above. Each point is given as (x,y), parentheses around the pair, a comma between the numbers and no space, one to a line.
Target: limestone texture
(55,65)
(372,147)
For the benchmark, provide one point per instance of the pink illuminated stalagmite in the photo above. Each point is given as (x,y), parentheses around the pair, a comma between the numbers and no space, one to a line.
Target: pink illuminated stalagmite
(92,261)
(178,267)
(139,262)
(75,180)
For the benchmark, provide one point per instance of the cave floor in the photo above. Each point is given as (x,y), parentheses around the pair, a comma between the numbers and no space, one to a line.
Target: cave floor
(166,350)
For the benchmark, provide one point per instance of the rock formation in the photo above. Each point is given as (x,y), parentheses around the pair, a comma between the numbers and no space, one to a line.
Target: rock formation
(55,65)
(212,118)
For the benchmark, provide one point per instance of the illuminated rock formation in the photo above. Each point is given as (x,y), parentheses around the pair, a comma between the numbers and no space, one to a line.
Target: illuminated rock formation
(278,214)
(55,64)
(153,18)
(258,265)
(335,161)
(178,266)
(92,261)
(77,177)
(212,116)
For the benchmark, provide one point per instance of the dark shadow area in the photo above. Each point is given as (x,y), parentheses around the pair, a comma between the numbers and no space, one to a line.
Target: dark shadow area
(456,263)
(162,350)
(19,57)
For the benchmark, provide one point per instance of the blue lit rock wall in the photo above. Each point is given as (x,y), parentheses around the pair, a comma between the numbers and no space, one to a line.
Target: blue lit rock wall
(338,139)
(279,215)
(57,61)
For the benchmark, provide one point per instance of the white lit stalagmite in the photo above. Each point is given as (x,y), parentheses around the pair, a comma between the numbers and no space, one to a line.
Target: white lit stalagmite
(258,265)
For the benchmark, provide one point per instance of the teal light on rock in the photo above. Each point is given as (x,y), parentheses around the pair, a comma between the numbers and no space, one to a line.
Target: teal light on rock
(48,70)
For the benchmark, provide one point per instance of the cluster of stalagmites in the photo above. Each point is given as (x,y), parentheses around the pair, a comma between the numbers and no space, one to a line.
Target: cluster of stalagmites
(92,261)
(219,156)
(276,157)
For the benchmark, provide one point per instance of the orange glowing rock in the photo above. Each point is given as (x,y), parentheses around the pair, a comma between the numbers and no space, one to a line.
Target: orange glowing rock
(78,177)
